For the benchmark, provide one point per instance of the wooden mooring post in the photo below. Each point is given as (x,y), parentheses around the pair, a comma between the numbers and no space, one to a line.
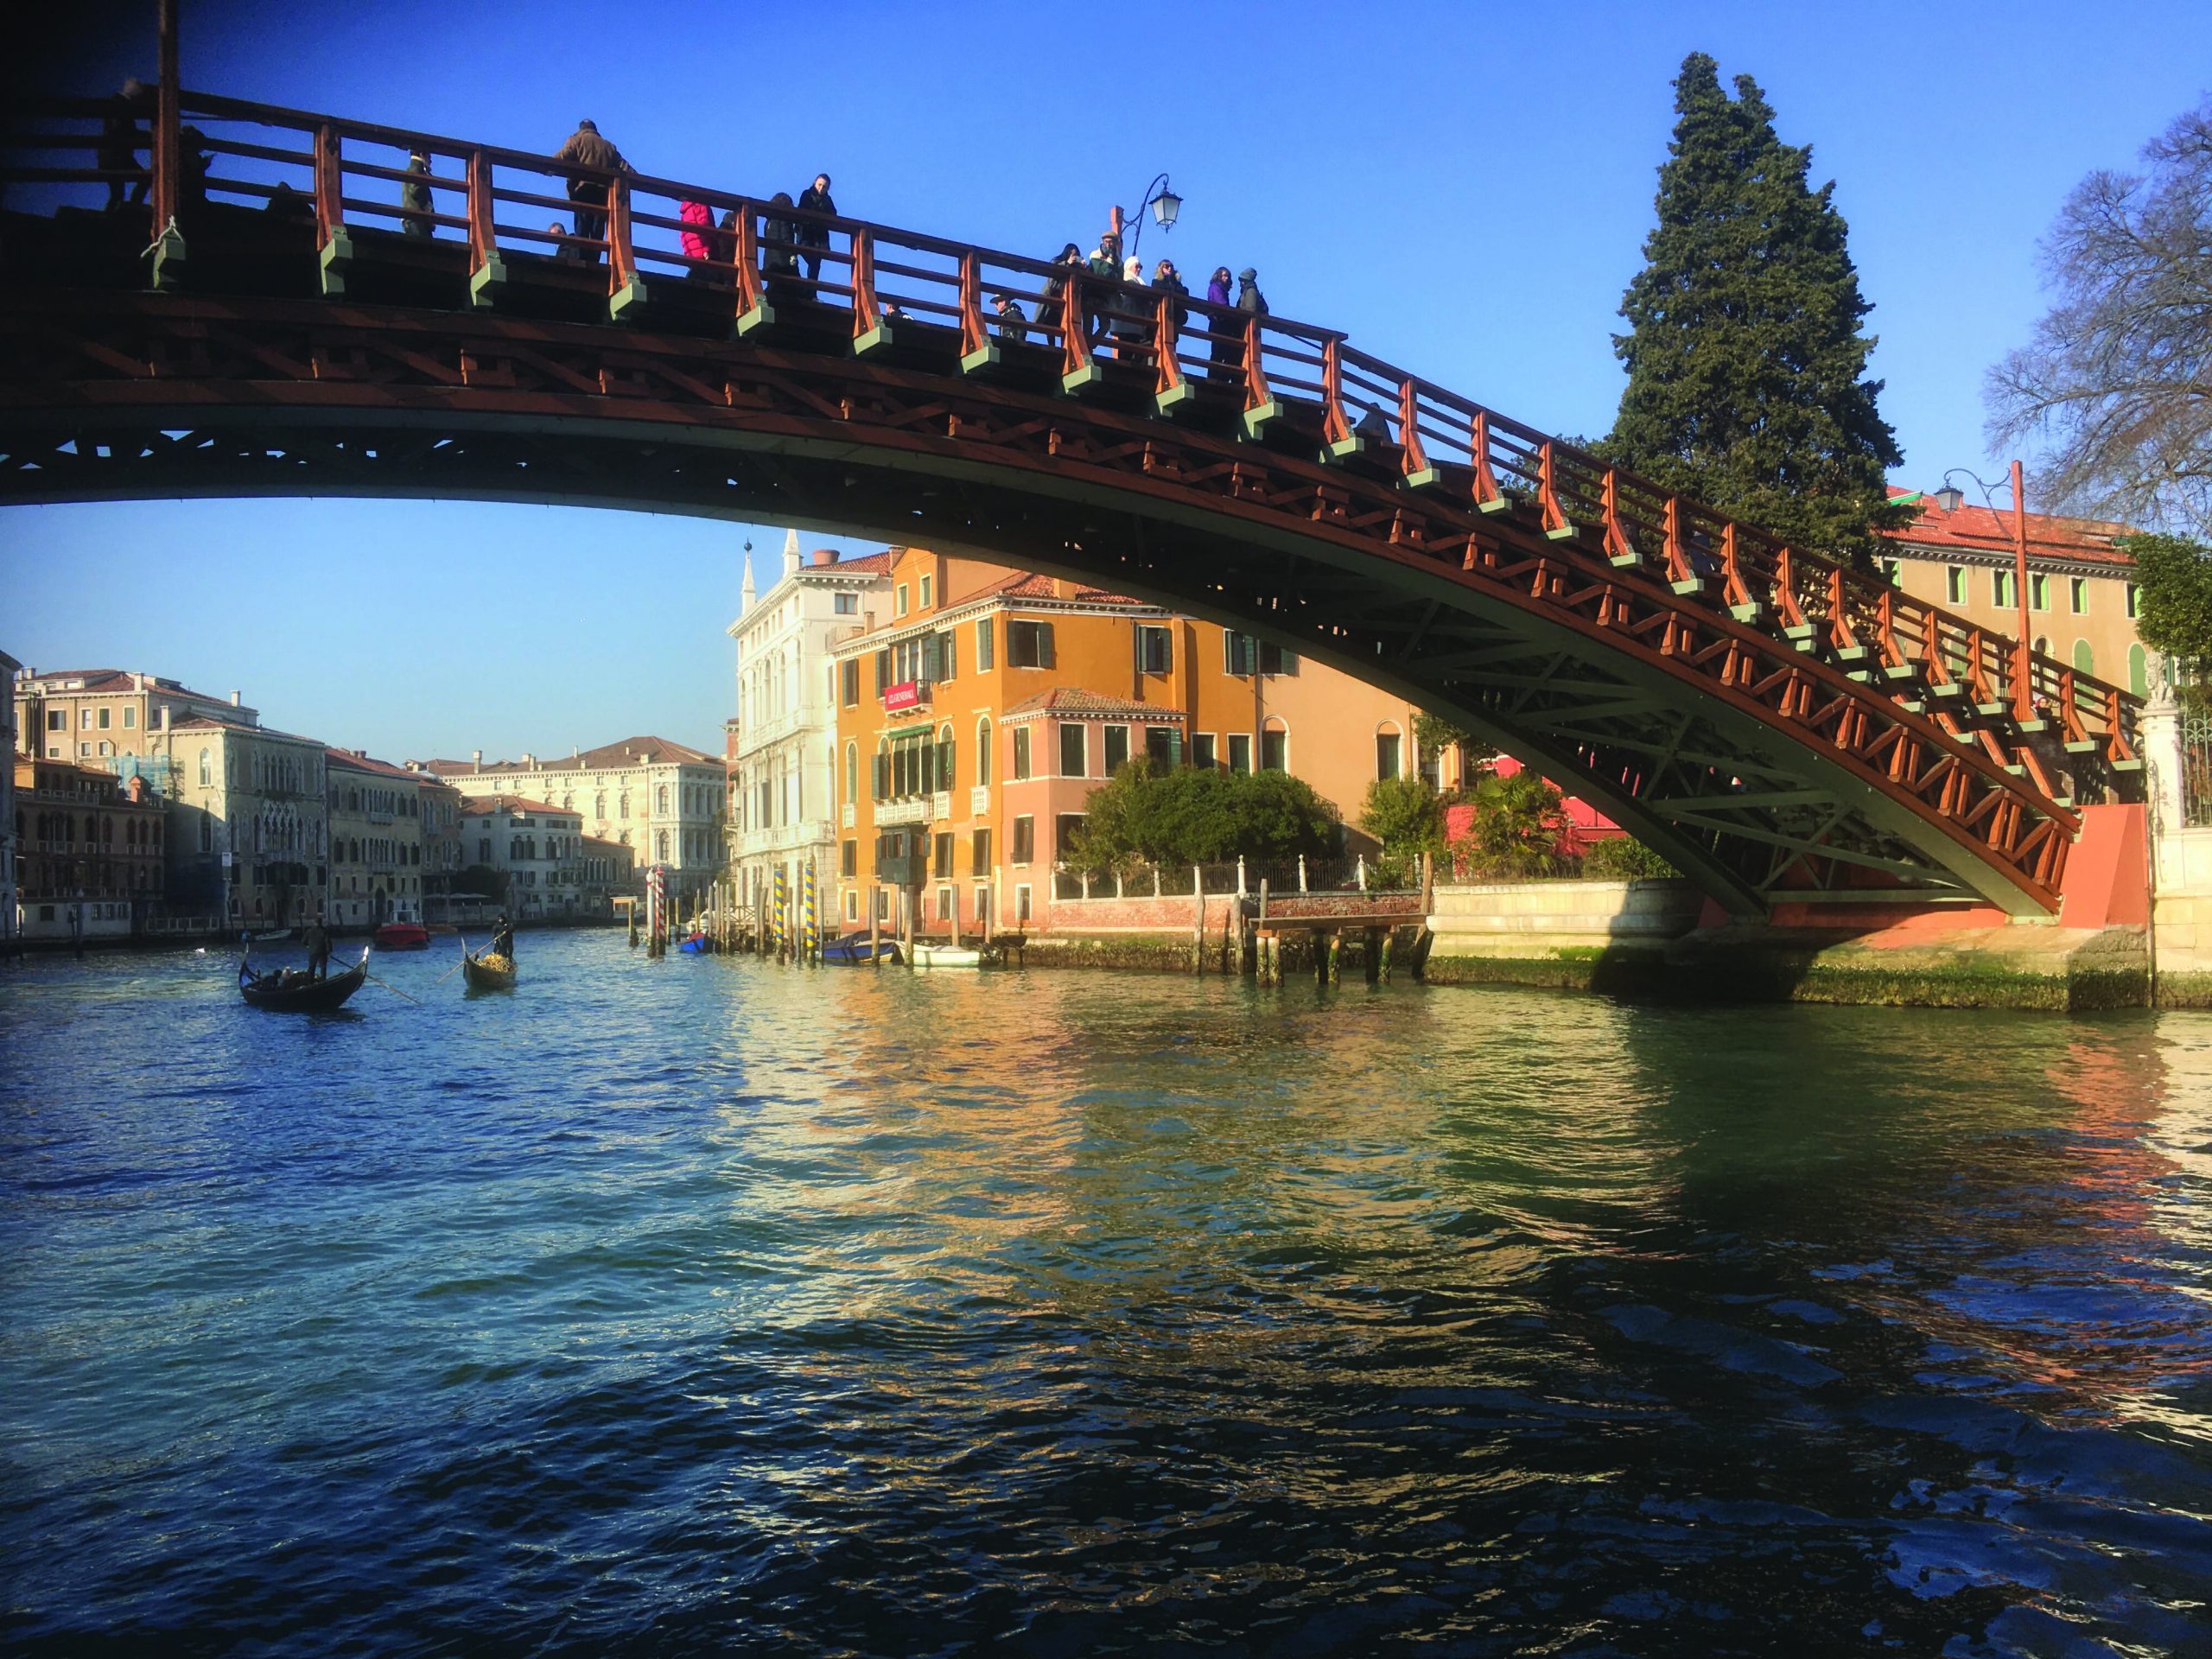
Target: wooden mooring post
(1198,919)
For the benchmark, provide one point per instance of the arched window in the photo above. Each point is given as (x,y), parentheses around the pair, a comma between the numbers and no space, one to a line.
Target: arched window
(945,762)
(206,769)
(852,773)
(1390,750)
(599,806)
(2085,659)
(663,844)
(2139,675)
(663,807)
(2042,645)
(623,803)
(1274,746)
(983,750)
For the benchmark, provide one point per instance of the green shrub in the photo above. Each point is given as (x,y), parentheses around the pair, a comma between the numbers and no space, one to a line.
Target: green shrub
(1405,816)
(1624,858)
(1196,815)
(1517,824)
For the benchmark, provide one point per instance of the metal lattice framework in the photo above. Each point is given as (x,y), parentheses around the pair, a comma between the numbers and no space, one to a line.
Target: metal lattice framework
(1779,727)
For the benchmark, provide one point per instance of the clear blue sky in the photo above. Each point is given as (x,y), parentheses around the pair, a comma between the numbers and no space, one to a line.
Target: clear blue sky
(1466,189)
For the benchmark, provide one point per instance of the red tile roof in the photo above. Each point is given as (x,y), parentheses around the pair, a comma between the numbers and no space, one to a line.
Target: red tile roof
(609,757)
(105,680)
(354,762)
(1028,584)
(484,805)
(1980,530)
(866,563)
(1074,700)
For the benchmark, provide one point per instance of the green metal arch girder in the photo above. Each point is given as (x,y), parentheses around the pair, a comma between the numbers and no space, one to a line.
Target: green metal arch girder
(1141,502)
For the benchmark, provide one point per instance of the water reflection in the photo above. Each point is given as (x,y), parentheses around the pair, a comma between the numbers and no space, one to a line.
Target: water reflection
(698,1306)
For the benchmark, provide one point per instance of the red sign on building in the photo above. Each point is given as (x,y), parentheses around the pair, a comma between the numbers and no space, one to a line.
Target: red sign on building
(907,694)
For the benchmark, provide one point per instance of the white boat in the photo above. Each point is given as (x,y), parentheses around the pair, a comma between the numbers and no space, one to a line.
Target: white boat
(947,956)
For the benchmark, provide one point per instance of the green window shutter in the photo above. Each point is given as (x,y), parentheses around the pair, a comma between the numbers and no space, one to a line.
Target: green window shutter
(944,770)
(933,657)
(1044,644)
(983,644)
(882,671)
(952,654)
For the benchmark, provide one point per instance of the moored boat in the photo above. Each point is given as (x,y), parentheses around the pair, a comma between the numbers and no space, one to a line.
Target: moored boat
(852,950)
(947,956)
(402,935)
(290,990)
(489,972)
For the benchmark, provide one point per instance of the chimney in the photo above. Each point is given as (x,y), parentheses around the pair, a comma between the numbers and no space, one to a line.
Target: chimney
(234,698)
(479,761)
(1063,589)
(822,556)
(576,751)
(161,716)
(528,761)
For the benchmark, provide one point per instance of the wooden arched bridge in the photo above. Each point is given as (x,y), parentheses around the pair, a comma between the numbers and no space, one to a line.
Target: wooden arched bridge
(277,320)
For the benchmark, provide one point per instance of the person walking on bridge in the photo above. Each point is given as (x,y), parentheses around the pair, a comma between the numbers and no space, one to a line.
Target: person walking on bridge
(1105,268)
(1250,300)
(815,199)
(1013,324)
(1133,324)
(585,148)
(415,196)
(1226,354)
(1053,307)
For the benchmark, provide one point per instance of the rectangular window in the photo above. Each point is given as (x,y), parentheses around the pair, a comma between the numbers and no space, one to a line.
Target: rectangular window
(1237,653)
(1163,746)
(56,720)
(1028,644)
(1386,754)
(2001,588)
(928,586)
(979,852)
(945,904)
(984,641)
(107,714)
(852,905)
(2077,594)
(1202,750)
(85,720)
(1072,749)
(900,606)
(1117,749)
(1021,905)
(1025,840)
(1021,752)
(848,859)
(1155,651)
(2038,591)
(1239,751)
(941,865)
(2131,598)
(84,748)
(1955,585)
(1274,751)
(1066,826)
(848,681)
(845,605)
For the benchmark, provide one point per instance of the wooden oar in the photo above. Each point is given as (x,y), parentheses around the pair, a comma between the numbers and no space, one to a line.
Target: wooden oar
(394,989)
(456,967)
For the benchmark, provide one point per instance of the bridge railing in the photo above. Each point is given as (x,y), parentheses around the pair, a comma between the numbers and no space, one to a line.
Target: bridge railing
(876,282)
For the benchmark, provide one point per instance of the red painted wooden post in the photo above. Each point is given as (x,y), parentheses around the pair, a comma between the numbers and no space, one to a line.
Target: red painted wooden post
(1678,563)
(1168,339)
(972,336)
(329,186)
(168,146)
(1486,489)
(621,258)
(1839,629)
(1887,620)
(1785,586)
(747,259)
(1415,463)
(1932,664)
(1257,394)
(1075,329)
(1555,517)
(1335,427)
(865,319)
(1619,548)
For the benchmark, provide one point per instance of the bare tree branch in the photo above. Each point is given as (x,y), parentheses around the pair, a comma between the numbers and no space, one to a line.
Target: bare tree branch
(2116,385)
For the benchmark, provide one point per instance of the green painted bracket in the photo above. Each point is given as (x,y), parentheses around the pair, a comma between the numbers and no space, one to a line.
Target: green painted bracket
(486,281)
(1992,710)
(1563,533)
(1899,671)
(1343,448)
(762,315)
(873,340)
(1175,396)
(1852,653)
(167,272)
(629,301)
(336,255)
(1949,688)
(1075,379)
(1914,705)
(2083,746)
(1255,420)
(2034,728)
(983,357)
(1687,586)
(1420,478)
(2133,763)
(1625,561)
(1803,632)
(1750,611)
(1495,504)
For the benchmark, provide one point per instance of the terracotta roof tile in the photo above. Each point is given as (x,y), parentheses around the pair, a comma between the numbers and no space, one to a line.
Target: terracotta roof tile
(1980,530)
(1074,700)
(484,805)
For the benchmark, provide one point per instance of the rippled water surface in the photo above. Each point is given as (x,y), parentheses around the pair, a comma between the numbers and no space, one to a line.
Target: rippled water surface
(703,1306)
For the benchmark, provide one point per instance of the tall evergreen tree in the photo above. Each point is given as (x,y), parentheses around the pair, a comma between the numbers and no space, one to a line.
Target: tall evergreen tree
(1746,367)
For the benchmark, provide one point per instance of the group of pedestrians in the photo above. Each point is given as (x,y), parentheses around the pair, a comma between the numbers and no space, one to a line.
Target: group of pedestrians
(1116,322)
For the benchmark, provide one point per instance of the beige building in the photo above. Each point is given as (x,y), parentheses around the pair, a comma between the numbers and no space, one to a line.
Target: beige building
(91,864)
(378,865)
(661,800)
(2081,587)
(96,715)
(248,822)
(551,870)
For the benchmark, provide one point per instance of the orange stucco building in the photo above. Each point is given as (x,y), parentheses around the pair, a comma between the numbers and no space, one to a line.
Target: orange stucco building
(974,720)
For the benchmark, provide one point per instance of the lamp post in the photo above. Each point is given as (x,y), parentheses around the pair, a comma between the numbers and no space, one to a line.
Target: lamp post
(2024,705)
(1165,205)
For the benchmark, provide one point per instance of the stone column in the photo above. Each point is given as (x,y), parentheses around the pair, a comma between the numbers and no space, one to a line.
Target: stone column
(2163,764)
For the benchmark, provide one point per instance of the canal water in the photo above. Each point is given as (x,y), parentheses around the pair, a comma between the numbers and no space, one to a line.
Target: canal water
(700,1306)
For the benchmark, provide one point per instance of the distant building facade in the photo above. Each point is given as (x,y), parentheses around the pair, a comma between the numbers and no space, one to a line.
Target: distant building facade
(8,830)
(92,864)
(541,855)
(96,715)
(2081,592)
(377,855)
(661,800)
(248,822)
(782,744)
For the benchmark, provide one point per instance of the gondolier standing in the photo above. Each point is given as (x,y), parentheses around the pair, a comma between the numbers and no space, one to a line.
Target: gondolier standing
(503,937)
(318,943)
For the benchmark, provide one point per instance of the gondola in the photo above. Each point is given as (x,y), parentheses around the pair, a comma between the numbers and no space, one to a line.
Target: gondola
(489,972)
(289,990)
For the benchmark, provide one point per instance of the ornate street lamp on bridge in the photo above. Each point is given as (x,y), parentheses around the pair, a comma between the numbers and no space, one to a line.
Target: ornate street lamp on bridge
(2023,692)
(1165,205)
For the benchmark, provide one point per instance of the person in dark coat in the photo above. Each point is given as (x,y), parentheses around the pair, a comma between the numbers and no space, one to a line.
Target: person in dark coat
(1053,309)
(415,196)
(1250,300)
(1104,268)
(318,943)
(1014,325)
(778,263)
(503,937)
(815,199)
(121,139)
(1227,351)
(585,148)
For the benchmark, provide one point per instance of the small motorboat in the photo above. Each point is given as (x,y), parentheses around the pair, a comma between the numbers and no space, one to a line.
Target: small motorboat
(489,972)
(698,945)
(852,950)
(291,991)
(271,936)
(402,935)
(947,956)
